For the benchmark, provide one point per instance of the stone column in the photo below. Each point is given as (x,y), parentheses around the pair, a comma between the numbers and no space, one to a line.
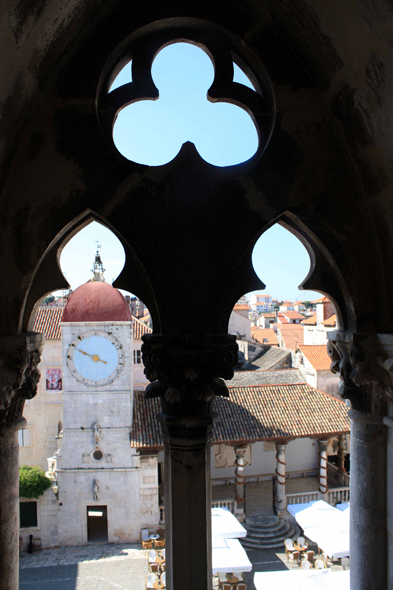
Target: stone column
(365,363)
(9,504)
(19,357)
(280,499)
(388,421)
(239,483)
(187,501)
(368,538)
(323,487)
(185,371)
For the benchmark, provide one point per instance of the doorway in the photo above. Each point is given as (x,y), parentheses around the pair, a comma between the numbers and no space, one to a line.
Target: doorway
(97,524)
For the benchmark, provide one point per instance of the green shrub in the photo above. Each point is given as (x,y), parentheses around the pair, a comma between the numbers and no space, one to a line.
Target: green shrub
(32,482)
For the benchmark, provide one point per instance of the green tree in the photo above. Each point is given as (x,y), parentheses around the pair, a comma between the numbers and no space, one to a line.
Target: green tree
(32,482)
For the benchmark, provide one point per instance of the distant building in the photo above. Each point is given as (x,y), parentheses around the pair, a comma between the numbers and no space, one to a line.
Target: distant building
(289,317)
(323,321)
(260,303)
(265,320)
(265,336)
(314,363)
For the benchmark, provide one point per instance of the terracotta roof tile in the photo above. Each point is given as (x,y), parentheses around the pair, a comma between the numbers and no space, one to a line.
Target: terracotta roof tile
(267,412)
(330,321)
(264,335)
(311,321)
(317,355)
(47,321)
(241,307)
(266,377)
(292,335)
(139,328)
(292,315)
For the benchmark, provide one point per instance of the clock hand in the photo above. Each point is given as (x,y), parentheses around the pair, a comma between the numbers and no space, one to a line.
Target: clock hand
(95,357)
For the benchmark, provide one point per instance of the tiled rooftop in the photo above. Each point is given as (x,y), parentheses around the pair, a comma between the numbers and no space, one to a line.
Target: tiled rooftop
(292,335)
(264,335)
(317,355)
(269,359)
(267,412)
(311,321)
(139,328)
(274,377)
(47,322)
(330,321)
(292,315)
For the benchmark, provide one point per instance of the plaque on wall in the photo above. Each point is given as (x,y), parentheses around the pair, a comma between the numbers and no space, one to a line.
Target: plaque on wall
(54,380)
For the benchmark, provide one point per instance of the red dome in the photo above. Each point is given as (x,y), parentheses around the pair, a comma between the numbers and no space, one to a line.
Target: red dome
(96,301)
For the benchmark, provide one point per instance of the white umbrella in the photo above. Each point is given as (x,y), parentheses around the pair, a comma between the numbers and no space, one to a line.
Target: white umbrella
(229,556)
(226,525)
(302,580)
(320,514)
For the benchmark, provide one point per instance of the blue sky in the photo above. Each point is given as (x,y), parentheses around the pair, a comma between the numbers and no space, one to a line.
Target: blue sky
(152,132)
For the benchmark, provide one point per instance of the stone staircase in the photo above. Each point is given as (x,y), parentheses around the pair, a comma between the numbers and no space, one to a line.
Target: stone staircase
(268,532)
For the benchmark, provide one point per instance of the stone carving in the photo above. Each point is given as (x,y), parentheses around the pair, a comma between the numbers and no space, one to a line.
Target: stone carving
(188,367)
(85,458)
(96,489)
(97,431)
(19,374)
(225,456)
(109,458)
(364,372)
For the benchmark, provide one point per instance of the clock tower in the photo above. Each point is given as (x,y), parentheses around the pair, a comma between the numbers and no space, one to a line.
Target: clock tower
(97,480)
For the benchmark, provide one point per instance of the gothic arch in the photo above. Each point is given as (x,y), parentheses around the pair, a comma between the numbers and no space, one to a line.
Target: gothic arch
(48,276)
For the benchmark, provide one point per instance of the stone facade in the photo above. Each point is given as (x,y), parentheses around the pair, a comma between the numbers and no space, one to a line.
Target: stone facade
(80,434)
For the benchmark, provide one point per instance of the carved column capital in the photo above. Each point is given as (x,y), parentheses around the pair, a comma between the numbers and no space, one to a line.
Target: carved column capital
(240,451)
(365,364)
(281,446)
(187,371)
(322,444)
(19,375)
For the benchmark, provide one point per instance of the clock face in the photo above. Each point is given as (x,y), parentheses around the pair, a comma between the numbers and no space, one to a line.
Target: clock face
(95,358)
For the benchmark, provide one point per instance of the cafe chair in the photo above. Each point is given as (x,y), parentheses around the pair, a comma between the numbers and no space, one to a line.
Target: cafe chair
(301,542)
(163,578)
(153,567)
(288,547)
(152,555)
(151,580)
(226,586)
(306,565)
(294,557)
(310,556)
(319,564)
(147,543)
(163,553)
(344,563)
(159,543)
(161,532)
(241,586)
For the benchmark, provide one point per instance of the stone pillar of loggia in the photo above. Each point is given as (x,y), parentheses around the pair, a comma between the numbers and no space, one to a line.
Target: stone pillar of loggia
(323,487)
(280,499)
(239,483)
